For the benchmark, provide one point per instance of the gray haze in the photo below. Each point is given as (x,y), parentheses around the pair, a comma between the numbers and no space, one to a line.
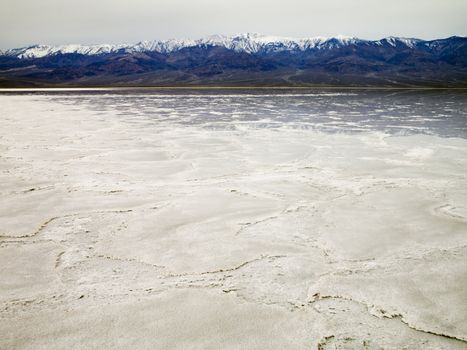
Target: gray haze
(25,22)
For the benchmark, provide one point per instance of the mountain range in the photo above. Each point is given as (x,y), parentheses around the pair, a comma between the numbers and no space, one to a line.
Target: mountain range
(242,60)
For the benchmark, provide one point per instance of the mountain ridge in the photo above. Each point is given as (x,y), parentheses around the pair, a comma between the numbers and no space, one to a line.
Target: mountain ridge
(247,59)
(247,42)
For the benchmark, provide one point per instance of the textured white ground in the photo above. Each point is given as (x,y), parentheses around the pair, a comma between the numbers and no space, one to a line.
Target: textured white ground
(124,234)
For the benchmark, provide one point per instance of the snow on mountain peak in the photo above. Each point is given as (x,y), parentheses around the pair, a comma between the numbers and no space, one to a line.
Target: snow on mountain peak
(36,51)
(245,42)
(394,41)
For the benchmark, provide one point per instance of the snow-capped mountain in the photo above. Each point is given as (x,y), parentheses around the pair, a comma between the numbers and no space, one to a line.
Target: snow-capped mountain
(249,43)
(242,60)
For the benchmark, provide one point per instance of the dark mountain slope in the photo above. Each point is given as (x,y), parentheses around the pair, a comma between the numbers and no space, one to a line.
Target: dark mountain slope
(387,62)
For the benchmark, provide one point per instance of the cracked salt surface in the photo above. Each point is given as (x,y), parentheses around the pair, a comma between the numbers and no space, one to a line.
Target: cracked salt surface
(261,221)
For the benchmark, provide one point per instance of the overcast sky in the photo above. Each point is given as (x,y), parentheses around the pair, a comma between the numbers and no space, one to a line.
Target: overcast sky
(25,22)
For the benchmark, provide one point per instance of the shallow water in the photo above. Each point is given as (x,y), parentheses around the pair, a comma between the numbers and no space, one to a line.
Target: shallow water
(442,114)
(403,112)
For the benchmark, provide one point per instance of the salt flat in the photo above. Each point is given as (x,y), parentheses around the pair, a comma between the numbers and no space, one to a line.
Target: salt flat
(195,221)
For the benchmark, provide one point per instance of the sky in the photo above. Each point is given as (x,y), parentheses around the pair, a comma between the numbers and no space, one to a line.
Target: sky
(53,22)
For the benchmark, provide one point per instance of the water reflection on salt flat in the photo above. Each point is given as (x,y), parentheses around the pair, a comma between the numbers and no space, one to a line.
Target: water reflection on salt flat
(436,112)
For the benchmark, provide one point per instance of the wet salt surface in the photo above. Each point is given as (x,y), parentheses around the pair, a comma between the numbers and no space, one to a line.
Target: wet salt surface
(231,220)
(442,113)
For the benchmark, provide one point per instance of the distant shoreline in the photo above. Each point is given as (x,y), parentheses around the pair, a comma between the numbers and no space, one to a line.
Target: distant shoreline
(122,88)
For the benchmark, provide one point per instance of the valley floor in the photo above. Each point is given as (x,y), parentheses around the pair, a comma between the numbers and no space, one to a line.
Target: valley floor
(119,233)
